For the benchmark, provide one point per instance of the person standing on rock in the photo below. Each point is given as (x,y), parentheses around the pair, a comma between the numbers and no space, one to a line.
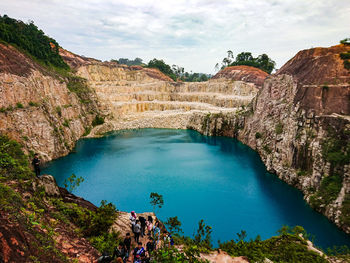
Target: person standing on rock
(143,225)
(36,164)
(127,242)
(137,231)
(149,225)
(133,218)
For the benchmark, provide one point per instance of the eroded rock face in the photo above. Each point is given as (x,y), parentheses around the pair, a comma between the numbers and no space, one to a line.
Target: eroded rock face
(133,98)
(323,81)
(290,131)
(37,109)
(48,183)
(243,73)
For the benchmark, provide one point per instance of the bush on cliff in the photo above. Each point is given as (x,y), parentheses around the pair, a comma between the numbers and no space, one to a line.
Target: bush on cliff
(13,162)
(32,40)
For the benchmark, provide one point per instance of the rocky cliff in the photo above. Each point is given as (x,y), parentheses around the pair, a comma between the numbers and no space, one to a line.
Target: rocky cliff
(41,108)
(299,123)
(136,97)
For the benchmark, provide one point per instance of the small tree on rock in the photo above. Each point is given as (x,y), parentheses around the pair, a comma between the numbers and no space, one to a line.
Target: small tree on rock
(156,200)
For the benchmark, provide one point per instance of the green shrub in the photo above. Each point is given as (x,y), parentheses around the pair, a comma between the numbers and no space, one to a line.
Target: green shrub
(345,41)
(33,104)
(59,111)
(347,64)
(279,128)
(287,247)
(98,120)
(2,109)
(87,131)
(258,135)
(105,242)
(267,149)
(325,87)
(79,86)
(66,123)
(19,105)
(13,162)
(328,191)
(345,210)
(345,55)
(91,223)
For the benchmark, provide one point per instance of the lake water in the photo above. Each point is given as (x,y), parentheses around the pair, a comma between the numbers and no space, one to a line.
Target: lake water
(216,179)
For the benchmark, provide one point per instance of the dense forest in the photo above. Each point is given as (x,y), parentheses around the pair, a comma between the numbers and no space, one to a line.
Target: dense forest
(262,61)
(32,40)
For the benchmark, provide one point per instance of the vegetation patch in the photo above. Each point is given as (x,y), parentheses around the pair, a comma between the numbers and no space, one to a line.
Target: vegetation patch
(279,128)
(258,135)
(13,162)
(328,191)
(345,210)
(98,120)
(31,39)
(287,247)
(79,86)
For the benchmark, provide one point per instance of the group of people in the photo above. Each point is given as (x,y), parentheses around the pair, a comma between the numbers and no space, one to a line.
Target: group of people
(140,227)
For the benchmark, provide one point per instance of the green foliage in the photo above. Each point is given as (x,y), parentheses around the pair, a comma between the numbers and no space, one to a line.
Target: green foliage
(258,135)
(262,62)
(31,39)
(129,62)
(267,149)
(345,41)
(87,131)
(336,147)
(19,105)
(79,86)
(173,255)
(173,224)
(203,236)
(105,242)
(325,87)
(347,64)
(156,200)
(73,182)
(13,162)
(163,67)
(66,123)
(345,210)
(279,128)
(10,200)
(345,55)
(98,120)
(288,247)
(328,191)
(91,223)
(33,104)
(59,111)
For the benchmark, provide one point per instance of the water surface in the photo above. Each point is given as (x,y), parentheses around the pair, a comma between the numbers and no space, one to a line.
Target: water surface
(216,179)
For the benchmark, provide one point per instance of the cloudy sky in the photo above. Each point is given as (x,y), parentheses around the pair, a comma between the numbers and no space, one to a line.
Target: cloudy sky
(193,34)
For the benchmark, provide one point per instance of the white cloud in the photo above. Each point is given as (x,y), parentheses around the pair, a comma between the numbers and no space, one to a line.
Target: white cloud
(194,34)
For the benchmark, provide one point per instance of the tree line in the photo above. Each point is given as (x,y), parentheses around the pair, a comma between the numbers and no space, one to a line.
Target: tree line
(262,61)
(175,72)
(29,38)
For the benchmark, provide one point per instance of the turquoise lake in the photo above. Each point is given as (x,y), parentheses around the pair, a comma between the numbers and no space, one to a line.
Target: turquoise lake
(216,179)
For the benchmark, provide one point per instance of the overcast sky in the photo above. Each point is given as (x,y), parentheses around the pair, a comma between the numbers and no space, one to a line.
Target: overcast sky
(192,34)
